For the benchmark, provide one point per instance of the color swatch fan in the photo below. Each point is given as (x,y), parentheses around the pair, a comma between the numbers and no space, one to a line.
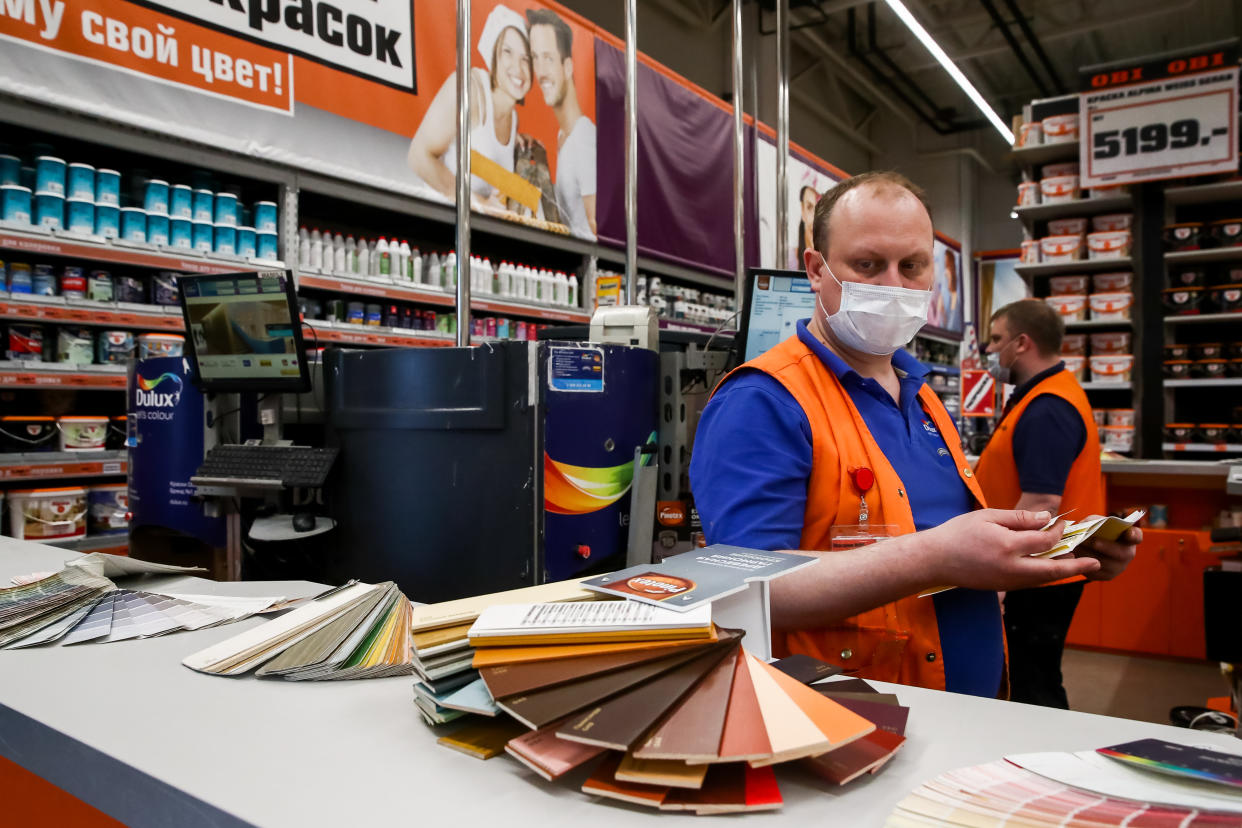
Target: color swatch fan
(653,706)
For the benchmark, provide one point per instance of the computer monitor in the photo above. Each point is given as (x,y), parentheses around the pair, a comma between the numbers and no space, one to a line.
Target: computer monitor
(774,302)
(243,332)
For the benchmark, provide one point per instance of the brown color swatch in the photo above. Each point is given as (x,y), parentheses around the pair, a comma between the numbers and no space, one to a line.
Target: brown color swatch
(550,757)
(623,720)
(667,772)
(838,723)
(730,788)
(744,736)
(692,731)
(603,782)
(514,679)
(543,707)
(806,669)
(853,760)
(890,717)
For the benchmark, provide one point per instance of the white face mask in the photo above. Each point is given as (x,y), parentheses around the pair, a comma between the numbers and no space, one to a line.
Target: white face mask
(876,319)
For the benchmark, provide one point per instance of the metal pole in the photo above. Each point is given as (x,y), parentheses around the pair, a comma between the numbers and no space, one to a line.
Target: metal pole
(631,153)
(463,172)
(782,133)
(739,182)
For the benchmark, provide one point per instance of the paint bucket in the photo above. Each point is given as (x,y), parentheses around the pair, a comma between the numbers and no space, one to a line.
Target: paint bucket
(246,242)
(49,210)
(99,286)
(226,209)
(265,216)
(25,343)
(112,347)
(181,233)
(107,509)
(10,170)
(155,197)
(181,202)
(47,514)
(128,289)
(204,201)
(81,182)
(226,239)
(80,216)
(157,229)
(72,283)
(82,433)
(107,221)
(134,224)
(50,175)
(164,288)
(27,434)
(265,246)
(76,345)
(201,234)
(108,187)
(15,204)
(160,345)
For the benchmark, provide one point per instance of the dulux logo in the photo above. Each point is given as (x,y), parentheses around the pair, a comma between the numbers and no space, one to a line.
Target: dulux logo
(148,396)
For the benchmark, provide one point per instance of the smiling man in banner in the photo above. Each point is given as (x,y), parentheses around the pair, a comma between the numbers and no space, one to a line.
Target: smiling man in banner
(832,442)
(551,46)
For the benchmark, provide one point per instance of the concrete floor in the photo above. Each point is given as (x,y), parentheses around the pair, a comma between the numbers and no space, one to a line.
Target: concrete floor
(1137,687)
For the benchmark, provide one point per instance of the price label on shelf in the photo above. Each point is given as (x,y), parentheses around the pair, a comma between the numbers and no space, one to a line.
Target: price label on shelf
(1173,127)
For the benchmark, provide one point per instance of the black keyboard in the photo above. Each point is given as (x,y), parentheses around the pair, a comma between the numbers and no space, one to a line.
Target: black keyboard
(266,466)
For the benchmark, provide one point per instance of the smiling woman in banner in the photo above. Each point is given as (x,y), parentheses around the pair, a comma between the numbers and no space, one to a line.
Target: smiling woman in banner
(493,118)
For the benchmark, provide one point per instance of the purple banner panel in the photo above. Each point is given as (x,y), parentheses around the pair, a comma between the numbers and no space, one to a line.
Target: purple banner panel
(685,167)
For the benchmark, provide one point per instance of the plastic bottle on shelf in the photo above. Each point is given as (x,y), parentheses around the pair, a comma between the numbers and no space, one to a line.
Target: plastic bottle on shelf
(505,280)
(338,253)
(449,264)
(523,283)
(383,259)
(351,256)
(571,291)
(432,271)
(403,271)
(560,289)
(364,259)
(316,250)
(416,267)
(303,247)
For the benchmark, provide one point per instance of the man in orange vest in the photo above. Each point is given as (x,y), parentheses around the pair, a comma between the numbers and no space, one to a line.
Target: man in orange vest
(1043,456)
(835,427)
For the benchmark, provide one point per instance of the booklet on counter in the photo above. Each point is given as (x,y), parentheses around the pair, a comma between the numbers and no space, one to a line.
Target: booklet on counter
(692,579)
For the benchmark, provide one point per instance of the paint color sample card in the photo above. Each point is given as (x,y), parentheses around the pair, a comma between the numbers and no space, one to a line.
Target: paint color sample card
(482,739)
(806,669)
(693,729)
(493,656)
(548,755)
(694,579)
(513,679)
(728,789)
(744,736)
(1179,760)
(586,622)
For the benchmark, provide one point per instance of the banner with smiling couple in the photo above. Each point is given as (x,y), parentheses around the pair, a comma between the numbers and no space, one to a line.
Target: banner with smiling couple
(362,90)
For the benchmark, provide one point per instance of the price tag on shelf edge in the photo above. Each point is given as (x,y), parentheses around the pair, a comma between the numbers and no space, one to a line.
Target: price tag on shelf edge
(1173,127)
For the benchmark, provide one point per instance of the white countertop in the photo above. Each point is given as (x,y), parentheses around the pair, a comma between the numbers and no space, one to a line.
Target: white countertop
(126,728)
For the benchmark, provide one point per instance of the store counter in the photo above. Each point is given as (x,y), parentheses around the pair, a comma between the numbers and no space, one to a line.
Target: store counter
(127,729)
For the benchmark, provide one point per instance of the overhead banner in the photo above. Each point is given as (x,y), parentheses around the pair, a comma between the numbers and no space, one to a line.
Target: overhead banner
(1165,117)
(806,183)
(362,90)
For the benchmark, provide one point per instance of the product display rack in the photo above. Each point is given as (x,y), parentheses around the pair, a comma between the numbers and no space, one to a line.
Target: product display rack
(1201,400)
(1034,220)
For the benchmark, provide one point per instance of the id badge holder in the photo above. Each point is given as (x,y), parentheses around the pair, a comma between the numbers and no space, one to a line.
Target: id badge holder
(863,533)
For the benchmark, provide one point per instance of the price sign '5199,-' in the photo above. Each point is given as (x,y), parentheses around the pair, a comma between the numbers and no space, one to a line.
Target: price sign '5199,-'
(1168,128)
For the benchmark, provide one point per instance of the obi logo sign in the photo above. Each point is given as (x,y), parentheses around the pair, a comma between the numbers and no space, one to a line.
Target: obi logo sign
(162,392)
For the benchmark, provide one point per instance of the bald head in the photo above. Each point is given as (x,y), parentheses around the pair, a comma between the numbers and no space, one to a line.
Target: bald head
(889,190)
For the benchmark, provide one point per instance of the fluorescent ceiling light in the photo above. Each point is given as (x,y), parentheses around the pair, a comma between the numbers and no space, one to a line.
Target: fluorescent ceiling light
(917,29)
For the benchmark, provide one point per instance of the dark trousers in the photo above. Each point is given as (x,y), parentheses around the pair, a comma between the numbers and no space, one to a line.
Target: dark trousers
(1036,623)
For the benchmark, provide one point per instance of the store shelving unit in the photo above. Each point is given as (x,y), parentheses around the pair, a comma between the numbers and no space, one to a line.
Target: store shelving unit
(1098,324)
(1032,271)
(53,375)
(1077,207)
(1194,257)
(1198,400)
(1046,153)
(57,465)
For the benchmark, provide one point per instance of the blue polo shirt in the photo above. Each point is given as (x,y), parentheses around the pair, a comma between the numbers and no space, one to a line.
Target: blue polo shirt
(752,460)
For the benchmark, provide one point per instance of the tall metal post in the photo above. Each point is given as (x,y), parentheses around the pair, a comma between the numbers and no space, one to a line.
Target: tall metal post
(631,153)
(739,180)
(782,133)
(463,172)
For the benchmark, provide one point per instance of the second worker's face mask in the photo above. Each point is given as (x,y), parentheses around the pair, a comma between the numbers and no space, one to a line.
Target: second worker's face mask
(876,319)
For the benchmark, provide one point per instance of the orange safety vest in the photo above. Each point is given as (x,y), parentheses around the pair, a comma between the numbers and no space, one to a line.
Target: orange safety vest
(1084,487)
(897,642)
